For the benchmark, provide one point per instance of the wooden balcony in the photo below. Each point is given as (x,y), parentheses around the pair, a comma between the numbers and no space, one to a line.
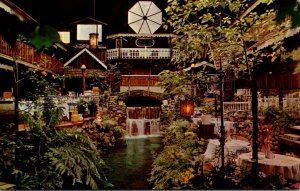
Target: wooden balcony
(27,55)
(140,82)
(140,53)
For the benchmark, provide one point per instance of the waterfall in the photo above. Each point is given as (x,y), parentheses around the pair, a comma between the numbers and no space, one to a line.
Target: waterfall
(142,121)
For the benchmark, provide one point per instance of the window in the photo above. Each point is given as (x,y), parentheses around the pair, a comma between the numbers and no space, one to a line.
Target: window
(64,36)
(84,30)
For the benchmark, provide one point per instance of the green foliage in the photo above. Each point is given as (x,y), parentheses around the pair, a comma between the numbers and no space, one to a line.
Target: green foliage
(7,151)
(278,118)
(219,32)
(174,167)
(47,158)
(113,78)
(175,133)
(92,105)
(52,114)
(181,165)
(103,98)
(42,179)
(70,154)
(43,36)
(175,82)
(288,10)
(77,159)
(248,180)
(34,85)
(106,134)
(82,105)
(206,28)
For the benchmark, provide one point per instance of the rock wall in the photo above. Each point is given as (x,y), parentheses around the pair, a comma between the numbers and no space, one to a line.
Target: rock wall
(168,107)
(117,111)
(168,112)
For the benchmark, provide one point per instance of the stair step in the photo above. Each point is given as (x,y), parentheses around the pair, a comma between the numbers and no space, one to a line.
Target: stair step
(292,137)
(295,127)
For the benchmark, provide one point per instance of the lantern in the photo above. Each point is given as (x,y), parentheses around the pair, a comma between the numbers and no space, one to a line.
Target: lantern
(93,40)
(186,108)
(83,69)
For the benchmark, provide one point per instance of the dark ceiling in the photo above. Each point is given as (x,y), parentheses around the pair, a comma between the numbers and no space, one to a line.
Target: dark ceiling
(60,13)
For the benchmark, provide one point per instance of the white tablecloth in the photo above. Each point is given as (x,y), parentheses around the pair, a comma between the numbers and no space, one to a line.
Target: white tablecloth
(288,167)
(229,125)
(29,106)
(230,147)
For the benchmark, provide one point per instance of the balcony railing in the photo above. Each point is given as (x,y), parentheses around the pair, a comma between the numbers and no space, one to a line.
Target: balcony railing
(140,53)
(140,82)
(28,54)
(237,106)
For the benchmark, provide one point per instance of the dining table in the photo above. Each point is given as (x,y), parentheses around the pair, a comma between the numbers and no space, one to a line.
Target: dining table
(231,149)
(286,166)
(229,126)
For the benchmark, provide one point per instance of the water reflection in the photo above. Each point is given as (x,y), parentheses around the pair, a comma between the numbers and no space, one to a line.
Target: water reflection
(129,167)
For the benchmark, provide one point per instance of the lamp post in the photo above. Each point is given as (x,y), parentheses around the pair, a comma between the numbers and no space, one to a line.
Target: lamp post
(193,66)
(254,102)
(222,127)
(83,69)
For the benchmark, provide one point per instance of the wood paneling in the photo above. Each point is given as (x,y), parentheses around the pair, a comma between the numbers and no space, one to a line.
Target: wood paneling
(283,82)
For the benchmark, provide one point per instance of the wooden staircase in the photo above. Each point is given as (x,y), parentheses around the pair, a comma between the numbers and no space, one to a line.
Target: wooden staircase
(290,142)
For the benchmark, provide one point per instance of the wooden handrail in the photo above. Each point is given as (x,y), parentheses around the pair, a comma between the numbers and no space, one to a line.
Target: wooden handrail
(26,53)
(140,53)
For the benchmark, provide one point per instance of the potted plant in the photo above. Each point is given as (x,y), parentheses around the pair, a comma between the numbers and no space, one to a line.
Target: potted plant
(206,114)
(92,105)
(82,106)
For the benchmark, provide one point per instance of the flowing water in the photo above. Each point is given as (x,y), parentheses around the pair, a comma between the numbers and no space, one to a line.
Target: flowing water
(142,121)
(130,166)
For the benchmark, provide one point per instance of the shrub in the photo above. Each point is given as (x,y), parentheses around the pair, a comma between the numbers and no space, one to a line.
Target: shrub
(279,118)
(106,134)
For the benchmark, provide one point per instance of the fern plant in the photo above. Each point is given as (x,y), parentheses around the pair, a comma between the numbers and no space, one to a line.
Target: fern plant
(77,159)
(72,155)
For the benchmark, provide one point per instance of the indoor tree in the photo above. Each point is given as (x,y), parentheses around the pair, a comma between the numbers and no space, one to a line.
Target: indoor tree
(222,32)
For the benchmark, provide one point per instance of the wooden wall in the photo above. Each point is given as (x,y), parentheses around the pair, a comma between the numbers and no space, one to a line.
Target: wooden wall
(282,81)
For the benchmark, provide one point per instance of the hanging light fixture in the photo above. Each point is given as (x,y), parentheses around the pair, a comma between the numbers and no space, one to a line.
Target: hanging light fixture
(186,108)
(93,40)
(94,36)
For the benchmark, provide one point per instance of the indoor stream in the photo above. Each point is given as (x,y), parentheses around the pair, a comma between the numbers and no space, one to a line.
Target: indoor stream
(130,166)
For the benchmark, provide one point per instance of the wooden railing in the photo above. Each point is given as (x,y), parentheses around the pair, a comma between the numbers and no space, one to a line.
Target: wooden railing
(139,80)
(291,104)
(77,73)
(236,106)
(140,53)
(28,54)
